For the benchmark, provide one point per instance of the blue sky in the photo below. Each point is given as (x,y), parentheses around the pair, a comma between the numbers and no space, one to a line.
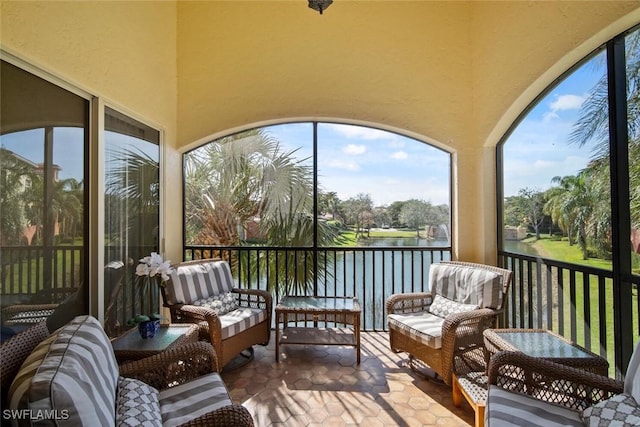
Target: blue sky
(68,148)
(354,159)
(538,149)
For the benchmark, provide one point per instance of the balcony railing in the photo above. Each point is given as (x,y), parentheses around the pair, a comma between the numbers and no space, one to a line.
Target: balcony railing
(24,272)
(370,274)
(572,300)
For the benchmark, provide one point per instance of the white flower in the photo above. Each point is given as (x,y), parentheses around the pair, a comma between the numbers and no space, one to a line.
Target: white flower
(153,265)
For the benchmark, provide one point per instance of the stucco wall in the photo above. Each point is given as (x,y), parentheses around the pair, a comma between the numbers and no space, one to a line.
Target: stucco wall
(452,73)
(124,52)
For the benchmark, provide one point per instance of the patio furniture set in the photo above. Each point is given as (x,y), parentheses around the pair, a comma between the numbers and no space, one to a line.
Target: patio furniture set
(449,329)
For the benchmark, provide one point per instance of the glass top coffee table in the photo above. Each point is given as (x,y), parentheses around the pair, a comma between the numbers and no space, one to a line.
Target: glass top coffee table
(544,344)
(307,312)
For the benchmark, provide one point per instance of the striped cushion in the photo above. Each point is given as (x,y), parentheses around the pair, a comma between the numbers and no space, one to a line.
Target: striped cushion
(632,379)
(423,327)
(240,320)
(19,389)
(505,408)
(466,285)
(193,282)
(74,371)
(191,400)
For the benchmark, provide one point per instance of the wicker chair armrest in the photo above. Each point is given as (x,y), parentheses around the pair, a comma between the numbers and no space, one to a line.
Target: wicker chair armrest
(409,302)
(462,337)
(174,366)
(476,320)
(20,308)
(257,297)
(227,416)
(196,313)
(550,381)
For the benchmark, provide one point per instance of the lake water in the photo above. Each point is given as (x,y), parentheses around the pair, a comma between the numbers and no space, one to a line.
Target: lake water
(373,275)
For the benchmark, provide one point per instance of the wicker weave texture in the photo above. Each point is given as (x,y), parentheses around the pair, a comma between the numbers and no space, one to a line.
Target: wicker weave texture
(462,340)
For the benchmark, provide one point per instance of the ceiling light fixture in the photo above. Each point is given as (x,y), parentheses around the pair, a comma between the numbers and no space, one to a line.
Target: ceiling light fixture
(320,5)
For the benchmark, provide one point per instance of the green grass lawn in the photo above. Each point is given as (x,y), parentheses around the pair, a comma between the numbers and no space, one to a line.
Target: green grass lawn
(559,249)
(348,238)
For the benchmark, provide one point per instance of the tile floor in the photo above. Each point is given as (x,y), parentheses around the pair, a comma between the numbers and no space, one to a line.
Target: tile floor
(323,386)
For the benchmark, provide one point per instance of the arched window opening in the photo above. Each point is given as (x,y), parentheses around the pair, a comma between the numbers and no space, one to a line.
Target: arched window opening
(321,209)
(570,218)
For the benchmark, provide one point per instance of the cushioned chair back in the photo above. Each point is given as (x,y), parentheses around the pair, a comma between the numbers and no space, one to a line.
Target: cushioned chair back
(193,281)
(74,370)
(632,379)
(467,284)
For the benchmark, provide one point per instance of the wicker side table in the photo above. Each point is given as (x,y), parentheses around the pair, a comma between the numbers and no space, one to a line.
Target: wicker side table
(130,346)
(331,310)
(546,345)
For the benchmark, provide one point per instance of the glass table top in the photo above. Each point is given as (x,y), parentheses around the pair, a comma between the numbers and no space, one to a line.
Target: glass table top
(132,340)
(542,344)
(318,303)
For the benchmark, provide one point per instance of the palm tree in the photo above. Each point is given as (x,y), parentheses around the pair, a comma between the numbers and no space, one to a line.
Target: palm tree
(246,178)
(557,205)
(593,125)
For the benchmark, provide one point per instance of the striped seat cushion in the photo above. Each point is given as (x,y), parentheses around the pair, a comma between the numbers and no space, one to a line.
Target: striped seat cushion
(193,282)
(466,285)
(423,327)
(191,400)
(505,408)
(73,373)
(240,320)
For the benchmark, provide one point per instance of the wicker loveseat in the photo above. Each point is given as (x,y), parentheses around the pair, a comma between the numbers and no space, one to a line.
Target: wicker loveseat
(529,391)
(232,319)
(439,327)
(71,378)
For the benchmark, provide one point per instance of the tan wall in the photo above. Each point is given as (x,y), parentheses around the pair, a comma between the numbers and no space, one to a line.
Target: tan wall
(124,52)
(453,73)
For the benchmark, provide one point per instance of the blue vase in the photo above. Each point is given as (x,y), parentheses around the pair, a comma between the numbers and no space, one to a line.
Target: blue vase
(149,329)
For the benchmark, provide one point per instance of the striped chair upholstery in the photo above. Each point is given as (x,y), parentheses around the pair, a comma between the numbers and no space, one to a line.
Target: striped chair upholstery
(77,366)
(512,374)
(233,319)
(423,327)
(73,376)
(447,322)
(507,409)
(467,285)
(195,282)
(194,399)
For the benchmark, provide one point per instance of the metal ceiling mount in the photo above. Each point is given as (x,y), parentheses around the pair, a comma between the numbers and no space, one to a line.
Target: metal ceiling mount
(320,5)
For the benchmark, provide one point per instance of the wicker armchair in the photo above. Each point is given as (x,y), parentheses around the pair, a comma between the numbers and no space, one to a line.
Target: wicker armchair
(182,365)
(187,387)
(525,390)
(232,319)
(443,328)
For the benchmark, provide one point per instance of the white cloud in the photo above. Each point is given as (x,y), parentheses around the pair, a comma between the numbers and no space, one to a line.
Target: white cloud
(343,164)
(354,150)
(351,131)
(399,155)
(563,103)
(567,102)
